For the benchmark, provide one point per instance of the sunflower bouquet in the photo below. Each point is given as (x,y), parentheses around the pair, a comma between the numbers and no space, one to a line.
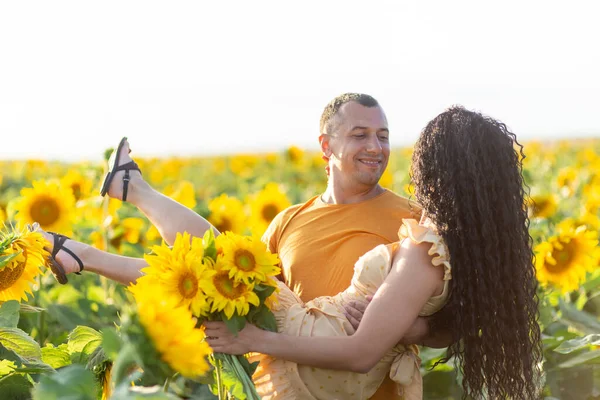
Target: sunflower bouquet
(229,278)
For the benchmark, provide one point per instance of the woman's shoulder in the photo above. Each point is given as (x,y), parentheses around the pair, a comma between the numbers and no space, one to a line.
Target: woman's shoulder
(424,235)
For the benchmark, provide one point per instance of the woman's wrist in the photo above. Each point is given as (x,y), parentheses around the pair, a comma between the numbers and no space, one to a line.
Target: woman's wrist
(259,340)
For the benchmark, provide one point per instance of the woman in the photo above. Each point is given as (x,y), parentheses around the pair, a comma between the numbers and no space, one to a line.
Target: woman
(468,180)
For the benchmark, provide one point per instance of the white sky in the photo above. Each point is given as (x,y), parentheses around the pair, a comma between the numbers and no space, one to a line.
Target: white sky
(183,77)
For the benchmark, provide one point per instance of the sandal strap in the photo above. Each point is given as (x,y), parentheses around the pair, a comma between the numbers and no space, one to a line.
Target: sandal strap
(126,178)
(59,241)
(126,166)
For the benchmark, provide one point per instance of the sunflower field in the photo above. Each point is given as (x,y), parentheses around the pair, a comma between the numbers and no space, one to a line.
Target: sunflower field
(64,341)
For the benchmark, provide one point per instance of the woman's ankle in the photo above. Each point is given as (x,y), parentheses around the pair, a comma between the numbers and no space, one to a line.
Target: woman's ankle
(139,192)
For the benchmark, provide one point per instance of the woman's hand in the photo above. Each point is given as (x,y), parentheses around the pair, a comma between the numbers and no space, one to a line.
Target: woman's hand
(220,338)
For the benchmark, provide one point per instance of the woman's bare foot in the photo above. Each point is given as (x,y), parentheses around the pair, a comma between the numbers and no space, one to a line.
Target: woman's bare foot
(115,190)
(67,261)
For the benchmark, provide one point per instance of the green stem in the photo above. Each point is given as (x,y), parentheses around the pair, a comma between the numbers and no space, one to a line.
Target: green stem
(41,315)
(220,387)
(246,380)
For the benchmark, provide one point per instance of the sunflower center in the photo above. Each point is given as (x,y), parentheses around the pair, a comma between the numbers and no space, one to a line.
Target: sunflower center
(8,276)
(45,210)
(188,286)
(76,188)
(539,206)
(227,287)
(269,211)
(244,260)
(224,226)
(563,259)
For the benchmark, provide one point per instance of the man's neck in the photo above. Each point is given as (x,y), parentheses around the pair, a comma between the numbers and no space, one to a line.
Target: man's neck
(338,195)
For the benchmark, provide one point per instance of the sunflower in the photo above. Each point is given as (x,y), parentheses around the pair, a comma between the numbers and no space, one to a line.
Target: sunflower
(247,259)
(541,206)
(227,214)
(567,180)
(182,271)
(266,205)
(22,253)
(48,204)
(80,185)
(227,295)
(243,165)
(589,220)
(295,154)
(172,330)
(564,259)
(2,215)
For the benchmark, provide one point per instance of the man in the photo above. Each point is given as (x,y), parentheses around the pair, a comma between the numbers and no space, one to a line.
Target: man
(319,241)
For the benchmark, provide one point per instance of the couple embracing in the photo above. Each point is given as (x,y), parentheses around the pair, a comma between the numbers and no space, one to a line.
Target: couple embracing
(451,268)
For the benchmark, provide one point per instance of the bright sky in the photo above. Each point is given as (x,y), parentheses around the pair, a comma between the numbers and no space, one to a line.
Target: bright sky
(194,77)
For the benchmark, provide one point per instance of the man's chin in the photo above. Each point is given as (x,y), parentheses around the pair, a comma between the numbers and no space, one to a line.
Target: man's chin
(369,180)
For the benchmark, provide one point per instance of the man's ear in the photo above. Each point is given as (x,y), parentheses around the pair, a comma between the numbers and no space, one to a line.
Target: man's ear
(324,142)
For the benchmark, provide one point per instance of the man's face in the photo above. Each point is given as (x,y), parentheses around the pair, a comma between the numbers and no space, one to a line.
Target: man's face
(357,144)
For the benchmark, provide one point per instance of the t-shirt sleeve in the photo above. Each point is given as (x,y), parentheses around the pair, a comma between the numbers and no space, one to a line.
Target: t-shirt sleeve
(273,232)
(270,237)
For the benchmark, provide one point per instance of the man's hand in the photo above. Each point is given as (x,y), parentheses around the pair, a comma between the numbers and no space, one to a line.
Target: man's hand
(355,311)
(417,333)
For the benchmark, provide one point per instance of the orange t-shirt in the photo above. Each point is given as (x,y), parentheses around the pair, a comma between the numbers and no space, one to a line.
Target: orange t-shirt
(319,243)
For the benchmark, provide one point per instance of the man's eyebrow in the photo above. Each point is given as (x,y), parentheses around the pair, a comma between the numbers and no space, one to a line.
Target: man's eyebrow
(365,128)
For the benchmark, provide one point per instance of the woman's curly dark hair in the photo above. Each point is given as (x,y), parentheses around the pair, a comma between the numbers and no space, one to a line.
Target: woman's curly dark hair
(468,178)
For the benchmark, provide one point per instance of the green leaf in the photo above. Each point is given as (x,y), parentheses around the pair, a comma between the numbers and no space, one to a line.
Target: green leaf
(9,314)
(15,387)
(249,369)
(83,340)
(592,283)
(56,357)
(111,343)
(6,367)
(582,358)
(66,317)
(208,242)
(20,343)
(581,320)
(265,319)
(4,260)
(569,346)
(235,323)
(72,382)
(96,358)
(264,291)
(35,367)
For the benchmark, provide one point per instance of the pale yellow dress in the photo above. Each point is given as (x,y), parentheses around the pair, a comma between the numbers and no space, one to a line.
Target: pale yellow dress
(324,316)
